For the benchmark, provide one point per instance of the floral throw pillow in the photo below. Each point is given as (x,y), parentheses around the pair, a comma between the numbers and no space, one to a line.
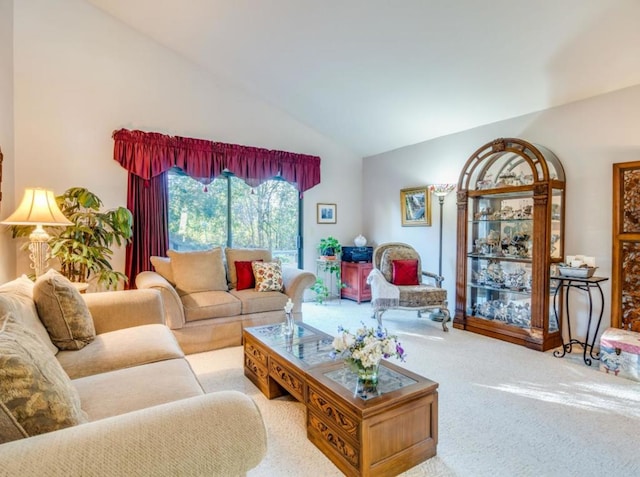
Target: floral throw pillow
(268,276)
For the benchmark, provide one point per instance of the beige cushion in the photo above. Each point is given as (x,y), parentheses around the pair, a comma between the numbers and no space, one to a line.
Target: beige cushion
(121,349)
(63,311)
(162,265)
(16,296)
(268,276)
(415,296)
(198,271)
(259,302)
(243,255)
(212,304)
(144,386)
(34,389)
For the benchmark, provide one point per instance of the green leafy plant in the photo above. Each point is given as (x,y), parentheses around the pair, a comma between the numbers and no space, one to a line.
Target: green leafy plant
(84,248)
(329,246)
(330,267)
(321,290)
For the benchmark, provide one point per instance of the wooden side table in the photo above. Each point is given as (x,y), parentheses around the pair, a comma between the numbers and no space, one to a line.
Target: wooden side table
(354,277)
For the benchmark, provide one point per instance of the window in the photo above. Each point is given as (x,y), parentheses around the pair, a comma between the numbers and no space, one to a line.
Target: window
(228,212)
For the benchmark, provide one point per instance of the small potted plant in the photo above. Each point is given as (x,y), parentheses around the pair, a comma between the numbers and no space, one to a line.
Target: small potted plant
(329,247)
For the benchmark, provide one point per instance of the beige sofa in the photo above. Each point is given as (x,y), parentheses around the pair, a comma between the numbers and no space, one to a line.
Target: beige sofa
(143,409)
(204,306)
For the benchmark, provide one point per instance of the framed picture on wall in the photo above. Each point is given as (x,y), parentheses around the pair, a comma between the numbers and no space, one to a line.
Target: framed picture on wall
(327,213)
(415,207)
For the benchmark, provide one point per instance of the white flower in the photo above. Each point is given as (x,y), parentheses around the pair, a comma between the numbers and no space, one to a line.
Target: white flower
(367,347)
(349,340)
(289,306)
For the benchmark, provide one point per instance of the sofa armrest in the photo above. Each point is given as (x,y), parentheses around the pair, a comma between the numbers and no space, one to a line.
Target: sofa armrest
(115,310)
(173,309)
(215,434)
(295,282)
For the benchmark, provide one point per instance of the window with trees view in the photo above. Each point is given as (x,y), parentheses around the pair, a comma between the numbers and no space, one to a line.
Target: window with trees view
(228,212)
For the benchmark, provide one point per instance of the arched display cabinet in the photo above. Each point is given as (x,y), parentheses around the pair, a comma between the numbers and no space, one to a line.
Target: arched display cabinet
(510,234)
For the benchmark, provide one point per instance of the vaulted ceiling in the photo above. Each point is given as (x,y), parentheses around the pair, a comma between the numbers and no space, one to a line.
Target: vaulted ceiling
(375,75)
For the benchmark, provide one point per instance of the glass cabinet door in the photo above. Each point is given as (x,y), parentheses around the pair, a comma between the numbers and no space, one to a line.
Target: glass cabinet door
(510,232)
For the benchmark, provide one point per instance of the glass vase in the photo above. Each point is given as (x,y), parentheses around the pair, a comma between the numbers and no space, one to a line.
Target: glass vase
(288,326)
(367,380)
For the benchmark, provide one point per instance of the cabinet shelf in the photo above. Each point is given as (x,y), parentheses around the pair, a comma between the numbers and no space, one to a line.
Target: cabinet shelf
(524,292)
(510,231)
(498,221)
(502,258)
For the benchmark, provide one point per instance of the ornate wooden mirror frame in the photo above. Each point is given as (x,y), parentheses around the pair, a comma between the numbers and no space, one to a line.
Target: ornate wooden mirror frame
(625,260)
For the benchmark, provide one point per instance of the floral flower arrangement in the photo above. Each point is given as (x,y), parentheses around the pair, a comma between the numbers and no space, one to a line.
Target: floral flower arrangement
(367,346)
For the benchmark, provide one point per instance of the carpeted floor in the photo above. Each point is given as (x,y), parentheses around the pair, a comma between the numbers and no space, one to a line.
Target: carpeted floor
(504,410)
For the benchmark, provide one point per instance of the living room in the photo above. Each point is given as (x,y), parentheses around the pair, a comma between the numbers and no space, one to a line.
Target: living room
(73,74)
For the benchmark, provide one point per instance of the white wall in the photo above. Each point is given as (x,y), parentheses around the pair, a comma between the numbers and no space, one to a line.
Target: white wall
(80,75)
(588,137)
(7,244)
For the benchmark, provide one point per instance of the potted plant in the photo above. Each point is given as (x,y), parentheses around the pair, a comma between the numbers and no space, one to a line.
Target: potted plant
(84,248)
(321,290)
(329,247)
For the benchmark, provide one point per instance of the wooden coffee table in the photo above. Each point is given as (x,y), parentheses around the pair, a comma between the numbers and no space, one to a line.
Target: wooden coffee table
(368,435)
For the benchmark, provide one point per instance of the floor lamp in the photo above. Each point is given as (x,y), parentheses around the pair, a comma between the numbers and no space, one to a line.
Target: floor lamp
(440,191)
(38,207)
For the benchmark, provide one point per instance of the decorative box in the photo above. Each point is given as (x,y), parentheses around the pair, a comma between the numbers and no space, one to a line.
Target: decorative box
(619,353)
(577,272)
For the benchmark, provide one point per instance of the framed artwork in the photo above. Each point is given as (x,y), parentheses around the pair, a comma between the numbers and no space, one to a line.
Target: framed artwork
(327,213)
(415,205)
(625,260)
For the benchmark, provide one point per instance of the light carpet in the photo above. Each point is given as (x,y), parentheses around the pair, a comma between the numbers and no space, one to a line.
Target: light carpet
(504,410)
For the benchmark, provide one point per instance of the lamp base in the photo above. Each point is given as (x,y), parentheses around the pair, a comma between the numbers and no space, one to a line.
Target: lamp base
(39,248)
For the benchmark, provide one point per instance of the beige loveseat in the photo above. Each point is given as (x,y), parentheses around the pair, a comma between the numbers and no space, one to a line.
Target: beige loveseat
(205,306)
(138,407)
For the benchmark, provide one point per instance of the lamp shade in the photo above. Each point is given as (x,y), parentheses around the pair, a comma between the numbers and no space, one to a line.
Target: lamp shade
(441,190)
(38,206)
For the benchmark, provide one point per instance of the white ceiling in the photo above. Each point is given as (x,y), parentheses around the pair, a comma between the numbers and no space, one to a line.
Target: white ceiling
(375,75)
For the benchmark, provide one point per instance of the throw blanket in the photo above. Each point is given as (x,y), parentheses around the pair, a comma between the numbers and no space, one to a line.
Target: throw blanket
(384,295)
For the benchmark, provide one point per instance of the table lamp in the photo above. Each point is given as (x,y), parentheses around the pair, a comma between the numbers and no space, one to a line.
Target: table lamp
(39,208)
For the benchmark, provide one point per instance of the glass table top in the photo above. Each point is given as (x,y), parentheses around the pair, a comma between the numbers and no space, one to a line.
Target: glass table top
(312,347)
(388,381)
(274,334)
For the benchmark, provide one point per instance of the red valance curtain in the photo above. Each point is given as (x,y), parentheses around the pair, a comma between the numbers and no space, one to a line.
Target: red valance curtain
(148,156)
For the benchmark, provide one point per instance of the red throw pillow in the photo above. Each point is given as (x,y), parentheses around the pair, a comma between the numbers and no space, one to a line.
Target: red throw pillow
(244,272)
(405,272)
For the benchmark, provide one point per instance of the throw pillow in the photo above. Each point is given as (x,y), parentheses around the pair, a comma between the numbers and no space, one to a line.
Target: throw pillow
(198,271)
(405,272)
(268,276)
(162,265)
(244,274)
(16,297)
(36,395)
(243,255)
(63,311)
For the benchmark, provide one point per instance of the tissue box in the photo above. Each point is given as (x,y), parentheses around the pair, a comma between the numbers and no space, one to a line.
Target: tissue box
(619,353)
(588,261)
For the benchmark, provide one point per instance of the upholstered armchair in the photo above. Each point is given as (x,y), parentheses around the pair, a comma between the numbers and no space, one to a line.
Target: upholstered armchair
(397,283)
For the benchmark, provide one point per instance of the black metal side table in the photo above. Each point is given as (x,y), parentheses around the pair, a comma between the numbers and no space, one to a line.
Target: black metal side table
(584,284)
